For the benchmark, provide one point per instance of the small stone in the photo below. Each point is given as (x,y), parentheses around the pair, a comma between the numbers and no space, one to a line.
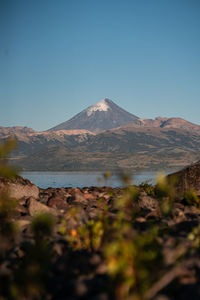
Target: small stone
(154,214)
(58,248)
(146,201)
(88,196)
(95,259)
(79,198)
(22,201)
(102,269)
(57,202)
(93,213)
(21,223)
(80,288)
(21,209)
(140,219)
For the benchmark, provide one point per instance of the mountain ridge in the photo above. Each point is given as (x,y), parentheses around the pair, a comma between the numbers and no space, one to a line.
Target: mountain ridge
(141,143)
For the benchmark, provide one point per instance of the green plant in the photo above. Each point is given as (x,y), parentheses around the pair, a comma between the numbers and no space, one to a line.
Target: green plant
(165,193)
(8,229)
(148,188)
(24,263)
(7,204)
(132,262)
(91,235)
(126,203)
(85,236)
(194,237)
(192,199)
(131,257)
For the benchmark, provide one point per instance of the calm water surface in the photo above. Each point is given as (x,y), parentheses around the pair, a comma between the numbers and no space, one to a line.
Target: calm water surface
(82,179)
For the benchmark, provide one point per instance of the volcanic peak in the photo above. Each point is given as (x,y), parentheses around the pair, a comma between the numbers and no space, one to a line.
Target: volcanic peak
(102,105)
(104,115)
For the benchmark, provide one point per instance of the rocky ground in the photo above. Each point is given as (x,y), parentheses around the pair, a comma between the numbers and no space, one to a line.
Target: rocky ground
(82,272)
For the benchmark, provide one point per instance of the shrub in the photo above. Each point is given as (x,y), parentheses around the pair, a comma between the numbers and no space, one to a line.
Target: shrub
(192,199)
(165,193)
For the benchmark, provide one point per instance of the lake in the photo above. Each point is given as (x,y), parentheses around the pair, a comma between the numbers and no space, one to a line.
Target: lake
(82,179)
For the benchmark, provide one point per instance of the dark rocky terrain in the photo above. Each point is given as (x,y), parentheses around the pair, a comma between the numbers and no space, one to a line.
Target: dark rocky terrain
(81,271)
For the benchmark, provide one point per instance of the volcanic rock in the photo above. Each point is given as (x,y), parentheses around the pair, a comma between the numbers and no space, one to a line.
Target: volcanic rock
(20,187)
(35,208)
(57,201)
(186,180)
(147,202)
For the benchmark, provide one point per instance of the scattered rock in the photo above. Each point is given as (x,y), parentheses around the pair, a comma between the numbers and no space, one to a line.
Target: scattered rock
(78,218)
(20,187)
(35,208)
(56,201)
(147,202)
(186,180)
(88,196)
(23,222)
(19,191)
(80,288)
(82,274)
(79,198)
(22,209)
(93,212)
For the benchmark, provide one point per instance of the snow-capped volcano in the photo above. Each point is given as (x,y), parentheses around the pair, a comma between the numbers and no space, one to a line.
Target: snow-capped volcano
(100,106)
(103,115)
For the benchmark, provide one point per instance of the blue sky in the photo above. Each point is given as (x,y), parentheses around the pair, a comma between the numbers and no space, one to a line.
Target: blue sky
(58,57)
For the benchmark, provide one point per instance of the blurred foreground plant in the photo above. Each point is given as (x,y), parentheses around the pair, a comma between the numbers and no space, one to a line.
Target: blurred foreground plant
(88,235)
(8,229)
(24,266)
(165,193)
(7,204)
(148,188)
(131,257)
(194,237)
(5,149)
(192,199)
(33,270)
(132,261)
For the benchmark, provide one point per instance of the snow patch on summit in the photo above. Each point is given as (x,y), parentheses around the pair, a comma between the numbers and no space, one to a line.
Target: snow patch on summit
(100,106)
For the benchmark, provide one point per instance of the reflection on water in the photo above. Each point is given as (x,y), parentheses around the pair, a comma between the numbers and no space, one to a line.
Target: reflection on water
(82,179)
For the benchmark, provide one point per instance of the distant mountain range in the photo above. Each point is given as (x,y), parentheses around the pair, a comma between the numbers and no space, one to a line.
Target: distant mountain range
(104,136)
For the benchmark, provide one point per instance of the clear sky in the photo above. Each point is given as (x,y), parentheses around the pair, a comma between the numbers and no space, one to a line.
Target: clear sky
(59,57)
